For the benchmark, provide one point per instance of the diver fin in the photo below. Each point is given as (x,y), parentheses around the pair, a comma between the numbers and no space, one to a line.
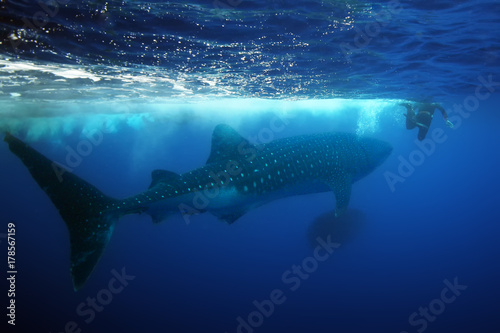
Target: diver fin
(341,187)
(84,208)
(227,144)
(162,176)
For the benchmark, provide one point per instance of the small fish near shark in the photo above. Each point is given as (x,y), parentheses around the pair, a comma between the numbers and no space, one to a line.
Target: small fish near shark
(237,177)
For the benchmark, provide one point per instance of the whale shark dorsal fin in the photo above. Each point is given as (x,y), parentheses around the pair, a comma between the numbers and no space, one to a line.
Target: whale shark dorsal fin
(227,144)
(162,176)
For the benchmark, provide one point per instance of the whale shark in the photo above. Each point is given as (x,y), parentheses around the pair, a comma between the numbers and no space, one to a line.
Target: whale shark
(237,177)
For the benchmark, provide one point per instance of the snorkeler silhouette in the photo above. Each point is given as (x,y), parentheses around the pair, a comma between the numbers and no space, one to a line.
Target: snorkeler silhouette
(423,117)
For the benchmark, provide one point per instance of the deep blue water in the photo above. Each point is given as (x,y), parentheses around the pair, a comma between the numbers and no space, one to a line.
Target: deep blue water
(156,78)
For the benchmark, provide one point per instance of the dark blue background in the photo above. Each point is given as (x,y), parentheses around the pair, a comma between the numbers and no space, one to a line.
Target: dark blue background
(396,247)
(441,223)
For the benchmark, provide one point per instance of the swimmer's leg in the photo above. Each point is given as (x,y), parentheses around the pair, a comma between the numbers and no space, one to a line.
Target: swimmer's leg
(410,116)
(422,132)
(423,121)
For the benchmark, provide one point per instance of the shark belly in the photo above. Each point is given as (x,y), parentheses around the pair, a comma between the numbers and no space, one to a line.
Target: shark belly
(222,200)
(231,203)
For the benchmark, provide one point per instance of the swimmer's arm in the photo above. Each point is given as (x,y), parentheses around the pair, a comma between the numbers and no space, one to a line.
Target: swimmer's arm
(443,111)
(445,116)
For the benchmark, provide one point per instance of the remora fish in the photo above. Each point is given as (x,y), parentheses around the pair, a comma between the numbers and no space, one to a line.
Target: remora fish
(237,177)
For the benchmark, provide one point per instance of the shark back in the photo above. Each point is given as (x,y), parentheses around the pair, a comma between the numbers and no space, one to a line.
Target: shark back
(244,176)
(316,163)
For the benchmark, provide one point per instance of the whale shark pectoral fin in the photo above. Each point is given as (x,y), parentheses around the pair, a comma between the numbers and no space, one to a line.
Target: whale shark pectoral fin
(341,186)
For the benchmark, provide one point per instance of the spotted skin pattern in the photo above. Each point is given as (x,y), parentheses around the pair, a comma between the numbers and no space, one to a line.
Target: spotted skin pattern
(237,177)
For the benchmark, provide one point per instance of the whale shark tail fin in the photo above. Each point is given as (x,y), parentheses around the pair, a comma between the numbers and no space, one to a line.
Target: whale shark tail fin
(85,210)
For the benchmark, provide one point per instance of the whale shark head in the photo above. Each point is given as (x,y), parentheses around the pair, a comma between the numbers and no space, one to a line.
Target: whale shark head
(377,151)
(371,153)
